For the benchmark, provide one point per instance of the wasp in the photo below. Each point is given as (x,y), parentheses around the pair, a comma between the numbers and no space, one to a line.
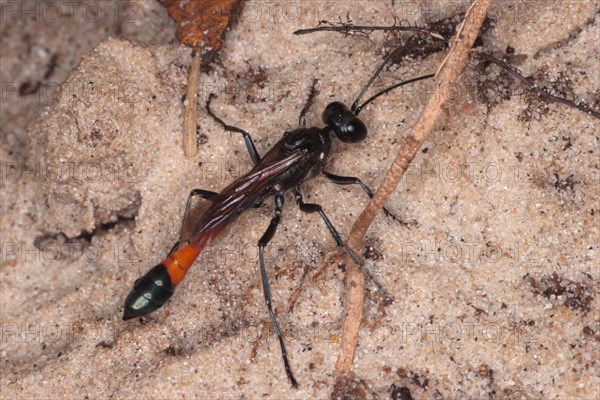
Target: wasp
(298,156)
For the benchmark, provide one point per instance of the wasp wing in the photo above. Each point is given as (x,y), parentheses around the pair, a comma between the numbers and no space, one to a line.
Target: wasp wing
(211,216)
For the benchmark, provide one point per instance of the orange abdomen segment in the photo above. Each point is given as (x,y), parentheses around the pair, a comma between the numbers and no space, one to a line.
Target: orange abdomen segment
(179,262)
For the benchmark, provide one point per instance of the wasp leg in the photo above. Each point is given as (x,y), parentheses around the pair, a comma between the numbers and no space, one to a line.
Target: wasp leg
(174,247)
(205,194)
(262,243)
(247,138)
(309,103)
(350,180)
(311,208)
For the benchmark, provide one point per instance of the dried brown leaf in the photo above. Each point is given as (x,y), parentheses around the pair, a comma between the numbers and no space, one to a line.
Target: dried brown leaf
(202,23)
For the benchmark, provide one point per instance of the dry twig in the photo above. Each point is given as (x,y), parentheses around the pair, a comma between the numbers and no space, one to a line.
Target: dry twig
(201,24)
(189,113)
(446,76)
(349,28)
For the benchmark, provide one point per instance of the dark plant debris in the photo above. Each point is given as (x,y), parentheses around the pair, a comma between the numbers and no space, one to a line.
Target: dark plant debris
(400,393)
(537,94)
(578,295)
(349,387)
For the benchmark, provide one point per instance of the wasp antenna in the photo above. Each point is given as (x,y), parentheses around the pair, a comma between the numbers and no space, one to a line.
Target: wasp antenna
(375,75)
(357,109)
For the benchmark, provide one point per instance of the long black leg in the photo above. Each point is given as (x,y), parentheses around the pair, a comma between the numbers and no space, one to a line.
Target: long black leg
(174,247)
(262,243)
(309,103)
(311,208)
(247,138)
(205,194)
(350,180)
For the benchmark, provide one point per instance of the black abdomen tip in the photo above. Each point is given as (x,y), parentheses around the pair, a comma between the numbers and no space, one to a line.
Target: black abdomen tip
(149,293)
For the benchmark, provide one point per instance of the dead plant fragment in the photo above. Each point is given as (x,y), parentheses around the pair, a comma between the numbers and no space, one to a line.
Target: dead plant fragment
(201,24)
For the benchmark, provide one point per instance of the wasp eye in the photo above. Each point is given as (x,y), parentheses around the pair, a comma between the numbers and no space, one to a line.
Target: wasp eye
(347,127)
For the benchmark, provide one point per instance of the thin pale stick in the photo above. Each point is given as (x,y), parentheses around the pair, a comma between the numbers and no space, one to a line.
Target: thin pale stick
(446,76)
(190,146)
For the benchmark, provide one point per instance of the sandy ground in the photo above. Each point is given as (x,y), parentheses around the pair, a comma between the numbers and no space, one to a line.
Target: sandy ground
(495,279)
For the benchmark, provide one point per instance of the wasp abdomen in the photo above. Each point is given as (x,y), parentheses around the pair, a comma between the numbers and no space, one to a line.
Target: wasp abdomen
(149,293)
